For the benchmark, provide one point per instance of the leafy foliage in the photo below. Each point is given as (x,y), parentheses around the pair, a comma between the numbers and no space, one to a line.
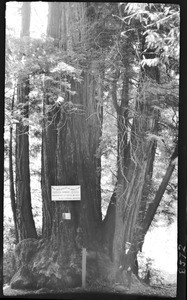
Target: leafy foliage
(9,266)
(148,273)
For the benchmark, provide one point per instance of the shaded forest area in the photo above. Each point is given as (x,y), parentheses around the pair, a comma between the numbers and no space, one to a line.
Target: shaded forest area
(96,101)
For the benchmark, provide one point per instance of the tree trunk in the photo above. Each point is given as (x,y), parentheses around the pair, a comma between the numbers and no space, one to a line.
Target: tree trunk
(48,169)
(145,223)
(134,155)
(135,152)
(70,139)
(11,174)
(137,241)
(151,211)
(26,226)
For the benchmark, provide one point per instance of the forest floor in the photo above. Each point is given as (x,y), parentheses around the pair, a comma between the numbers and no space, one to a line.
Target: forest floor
(140,290)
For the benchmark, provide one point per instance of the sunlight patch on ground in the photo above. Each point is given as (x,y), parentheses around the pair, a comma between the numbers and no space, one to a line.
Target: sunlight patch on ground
(161,245)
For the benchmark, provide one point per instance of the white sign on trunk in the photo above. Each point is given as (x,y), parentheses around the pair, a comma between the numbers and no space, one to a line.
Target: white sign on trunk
(65,192)
(66,216)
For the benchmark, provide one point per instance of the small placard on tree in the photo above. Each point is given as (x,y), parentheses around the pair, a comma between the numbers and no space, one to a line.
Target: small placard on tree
(65,192)
(66,216)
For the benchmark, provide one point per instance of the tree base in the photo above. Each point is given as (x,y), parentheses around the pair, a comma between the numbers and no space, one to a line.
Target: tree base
(39,265)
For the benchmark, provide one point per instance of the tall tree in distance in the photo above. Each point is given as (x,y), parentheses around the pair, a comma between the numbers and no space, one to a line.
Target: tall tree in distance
(25,221)
(11,175)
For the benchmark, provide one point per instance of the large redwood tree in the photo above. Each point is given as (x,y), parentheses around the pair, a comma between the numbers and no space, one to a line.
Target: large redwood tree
(25,222)
(71,135)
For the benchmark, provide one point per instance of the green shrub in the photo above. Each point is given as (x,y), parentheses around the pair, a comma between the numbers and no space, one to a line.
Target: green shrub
(147,272)
(9,267)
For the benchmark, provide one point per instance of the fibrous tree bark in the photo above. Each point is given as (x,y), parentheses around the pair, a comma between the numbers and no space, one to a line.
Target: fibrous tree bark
(70,138)
(11,174)
(131,179)
(25,221)
(135,153)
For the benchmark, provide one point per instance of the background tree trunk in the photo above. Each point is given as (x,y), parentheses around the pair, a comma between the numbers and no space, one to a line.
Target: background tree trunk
(11,174)
(152,208)
(26,226)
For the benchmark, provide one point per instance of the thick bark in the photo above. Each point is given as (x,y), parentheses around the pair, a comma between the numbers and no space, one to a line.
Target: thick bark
(146,215)
(137,242)
(11,174)
(108,227)
(135,153)
(134,159)
(26,226)
(48,172)
(70,138)
(74,139)
(146,189)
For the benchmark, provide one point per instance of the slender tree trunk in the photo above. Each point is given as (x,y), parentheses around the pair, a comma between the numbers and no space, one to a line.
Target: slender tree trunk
(11,174)
(145,223)
(26,226)
(151,211)
(48,172)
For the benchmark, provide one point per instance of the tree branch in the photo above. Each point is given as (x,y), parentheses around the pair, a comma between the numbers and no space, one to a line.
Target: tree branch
(158,197)
(114,92)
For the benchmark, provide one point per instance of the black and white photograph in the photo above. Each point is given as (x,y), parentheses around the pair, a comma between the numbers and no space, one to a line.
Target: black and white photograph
(91,142)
